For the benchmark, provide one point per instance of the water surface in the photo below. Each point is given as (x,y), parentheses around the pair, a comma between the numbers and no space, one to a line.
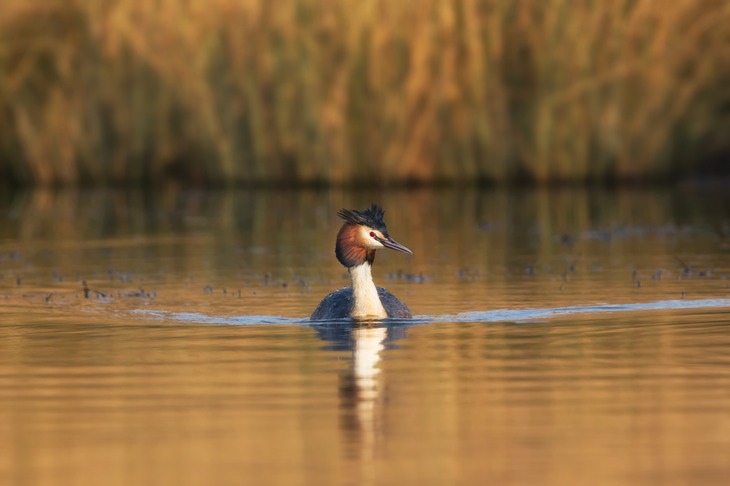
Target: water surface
(561,337)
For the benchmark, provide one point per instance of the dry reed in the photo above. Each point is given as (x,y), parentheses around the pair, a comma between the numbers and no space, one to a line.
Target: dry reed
(229,91)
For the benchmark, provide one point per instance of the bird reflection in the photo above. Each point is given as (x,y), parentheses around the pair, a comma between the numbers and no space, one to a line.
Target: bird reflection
(362,388)
(361,393)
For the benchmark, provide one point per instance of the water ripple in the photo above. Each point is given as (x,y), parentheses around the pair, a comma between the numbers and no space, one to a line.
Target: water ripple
(196,317)
(527,315)
(497,315)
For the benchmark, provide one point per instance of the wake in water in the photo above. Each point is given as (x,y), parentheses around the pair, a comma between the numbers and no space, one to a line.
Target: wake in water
(518,315)
(528,315)
(344,334)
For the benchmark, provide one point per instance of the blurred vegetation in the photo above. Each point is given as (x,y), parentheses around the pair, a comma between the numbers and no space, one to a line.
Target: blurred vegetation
(338,91)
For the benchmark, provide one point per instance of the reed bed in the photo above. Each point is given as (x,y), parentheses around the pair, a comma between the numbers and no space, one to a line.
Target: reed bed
(361,91)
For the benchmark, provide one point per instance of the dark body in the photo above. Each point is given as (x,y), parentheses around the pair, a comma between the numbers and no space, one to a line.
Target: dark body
(339,303)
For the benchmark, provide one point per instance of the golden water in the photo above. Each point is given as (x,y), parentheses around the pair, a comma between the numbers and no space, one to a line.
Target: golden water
(561,337)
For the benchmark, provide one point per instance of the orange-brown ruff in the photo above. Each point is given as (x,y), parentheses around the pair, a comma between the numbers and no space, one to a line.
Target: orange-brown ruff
(362,233)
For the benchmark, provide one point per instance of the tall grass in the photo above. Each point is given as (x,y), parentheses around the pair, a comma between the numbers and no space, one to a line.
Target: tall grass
(339,91)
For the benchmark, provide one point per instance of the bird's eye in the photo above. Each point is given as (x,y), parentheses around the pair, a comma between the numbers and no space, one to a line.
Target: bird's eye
(372,234)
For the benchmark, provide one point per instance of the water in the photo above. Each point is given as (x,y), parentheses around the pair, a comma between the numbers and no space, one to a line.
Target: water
(561,337)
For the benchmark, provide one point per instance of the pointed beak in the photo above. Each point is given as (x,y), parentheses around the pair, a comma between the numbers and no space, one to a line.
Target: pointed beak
(394,245)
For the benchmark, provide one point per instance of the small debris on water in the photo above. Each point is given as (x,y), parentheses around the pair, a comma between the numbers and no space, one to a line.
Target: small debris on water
(138,294)
(409,277)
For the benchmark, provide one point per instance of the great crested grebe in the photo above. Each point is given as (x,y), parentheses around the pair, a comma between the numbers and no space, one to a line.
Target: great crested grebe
(362,233)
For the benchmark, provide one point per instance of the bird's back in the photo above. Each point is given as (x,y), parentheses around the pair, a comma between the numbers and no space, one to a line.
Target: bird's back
(339,304)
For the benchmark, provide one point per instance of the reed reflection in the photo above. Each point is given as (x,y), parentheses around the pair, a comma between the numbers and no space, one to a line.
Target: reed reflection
(263,252)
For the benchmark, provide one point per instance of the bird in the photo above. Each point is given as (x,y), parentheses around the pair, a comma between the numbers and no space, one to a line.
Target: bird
(362,233)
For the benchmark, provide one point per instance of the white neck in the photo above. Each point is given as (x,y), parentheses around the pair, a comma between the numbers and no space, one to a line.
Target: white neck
(367,302)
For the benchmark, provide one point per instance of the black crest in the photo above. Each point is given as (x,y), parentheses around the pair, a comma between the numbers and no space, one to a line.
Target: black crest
(372,217)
